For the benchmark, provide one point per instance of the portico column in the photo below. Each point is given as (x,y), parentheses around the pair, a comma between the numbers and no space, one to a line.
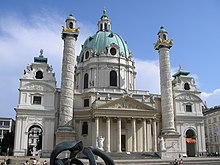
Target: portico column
(134,135)
(144,135)
(108,136)
(97,129)
(154,136)
(149,138)
(119,134)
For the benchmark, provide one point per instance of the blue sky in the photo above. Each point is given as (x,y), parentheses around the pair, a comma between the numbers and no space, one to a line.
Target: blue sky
(30,25)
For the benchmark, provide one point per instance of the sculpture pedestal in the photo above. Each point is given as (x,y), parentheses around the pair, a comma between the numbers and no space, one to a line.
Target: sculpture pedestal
(172,145)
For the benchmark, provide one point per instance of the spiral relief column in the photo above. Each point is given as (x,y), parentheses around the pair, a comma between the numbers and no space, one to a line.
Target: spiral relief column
(66,111)
(163,46)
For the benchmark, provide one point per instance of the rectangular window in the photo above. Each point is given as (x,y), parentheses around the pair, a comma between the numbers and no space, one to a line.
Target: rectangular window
(86,102)
(37,100)
(214,119)
(85,128)
(6,123)
(209,121)
(1,123)
(205,130)
(210,129)
(188,108)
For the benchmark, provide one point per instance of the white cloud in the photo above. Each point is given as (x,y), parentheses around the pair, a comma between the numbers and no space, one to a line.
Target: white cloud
(21,41)
(212,98)
(148,75)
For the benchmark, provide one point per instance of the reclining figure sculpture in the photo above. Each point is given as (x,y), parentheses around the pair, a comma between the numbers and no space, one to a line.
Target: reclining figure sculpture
(75,147)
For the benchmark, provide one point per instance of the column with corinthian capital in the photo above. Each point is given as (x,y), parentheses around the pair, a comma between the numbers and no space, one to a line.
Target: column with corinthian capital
(108,134)
(134,148)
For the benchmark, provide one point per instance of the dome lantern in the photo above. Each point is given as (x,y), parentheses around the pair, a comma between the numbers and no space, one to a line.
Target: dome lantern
(104,23)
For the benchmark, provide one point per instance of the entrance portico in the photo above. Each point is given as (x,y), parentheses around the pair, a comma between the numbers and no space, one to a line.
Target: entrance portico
(139,135)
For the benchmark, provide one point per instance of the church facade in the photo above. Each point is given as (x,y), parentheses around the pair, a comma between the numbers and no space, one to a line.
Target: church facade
(98,100)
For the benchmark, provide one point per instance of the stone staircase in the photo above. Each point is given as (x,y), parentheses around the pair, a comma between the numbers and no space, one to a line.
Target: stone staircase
(133,155)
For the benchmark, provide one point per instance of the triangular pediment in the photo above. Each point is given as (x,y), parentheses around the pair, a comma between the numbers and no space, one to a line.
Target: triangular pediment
(125,103)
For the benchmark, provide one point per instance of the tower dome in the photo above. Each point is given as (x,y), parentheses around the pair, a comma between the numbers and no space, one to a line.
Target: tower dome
(105,61)
(104,42)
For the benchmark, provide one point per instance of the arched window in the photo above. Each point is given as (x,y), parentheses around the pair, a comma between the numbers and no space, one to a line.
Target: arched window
(190,134)
(39,75)
(186,86)
(113,78)
(106,26)
(71,25)
(164,36)
(85,128)
(86,80)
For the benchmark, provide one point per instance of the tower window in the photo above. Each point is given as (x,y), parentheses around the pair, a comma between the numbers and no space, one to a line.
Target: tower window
(86,80)
(188,108)
(186,86)
(113,78)
(113,51)
(37,100)
(86,102)
(39,75)
(164,36)
(85,128)
(71,25)
(106,27)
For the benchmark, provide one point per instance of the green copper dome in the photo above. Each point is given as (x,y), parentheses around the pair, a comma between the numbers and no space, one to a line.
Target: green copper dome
(71,17)
(162,30)
(103,39)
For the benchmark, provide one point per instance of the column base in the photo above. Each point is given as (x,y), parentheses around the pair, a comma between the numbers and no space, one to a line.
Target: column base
(65,134)
(19,153)
(172,146)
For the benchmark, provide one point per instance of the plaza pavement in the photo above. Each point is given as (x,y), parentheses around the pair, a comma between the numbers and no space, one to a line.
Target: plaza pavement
(186,161)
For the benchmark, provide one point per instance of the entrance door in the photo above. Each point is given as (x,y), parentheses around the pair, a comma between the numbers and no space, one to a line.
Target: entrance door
(190,143)
(123,143)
